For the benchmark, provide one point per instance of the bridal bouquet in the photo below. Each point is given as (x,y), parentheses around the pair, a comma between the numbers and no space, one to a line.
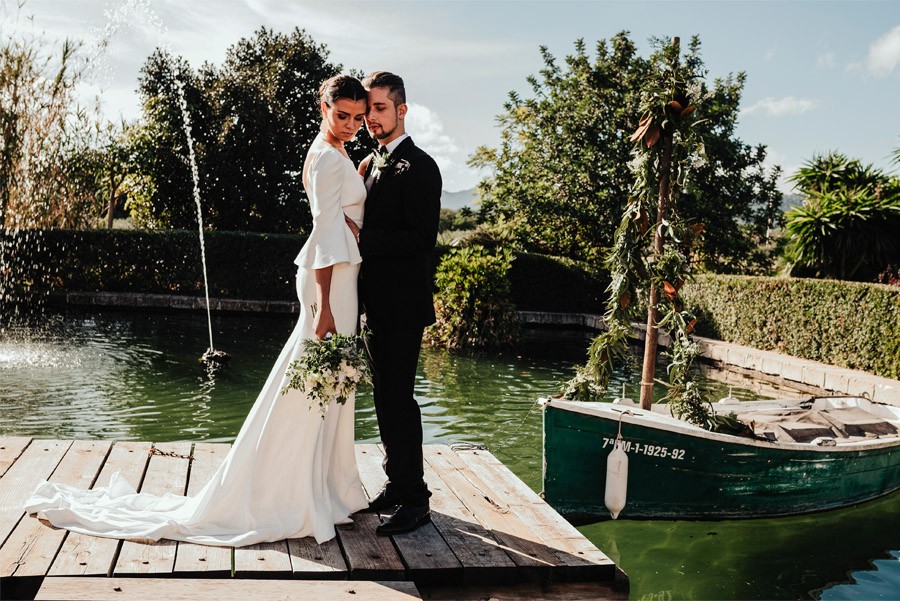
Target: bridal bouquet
(329,369)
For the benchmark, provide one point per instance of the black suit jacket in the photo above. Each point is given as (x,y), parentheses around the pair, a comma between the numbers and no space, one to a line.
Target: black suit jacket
(398,237)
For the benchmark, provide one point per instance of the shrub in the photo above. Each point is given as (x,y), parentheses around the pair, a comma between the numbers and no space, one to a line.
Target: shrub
(850,324)
(473,300)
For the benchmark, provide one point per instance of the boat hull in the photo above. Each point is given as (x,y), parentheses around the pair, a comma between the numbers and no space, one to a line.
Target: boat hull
(674,475)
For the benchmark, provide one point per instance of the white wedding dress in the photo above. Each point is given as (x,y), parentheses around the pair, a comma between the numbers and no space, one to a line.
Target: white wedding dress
(290,473)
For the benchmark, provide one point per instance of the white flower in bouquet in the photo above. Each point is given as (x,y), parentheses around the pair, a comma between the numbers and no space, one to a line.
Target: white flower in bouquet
(329,370)
(348,370)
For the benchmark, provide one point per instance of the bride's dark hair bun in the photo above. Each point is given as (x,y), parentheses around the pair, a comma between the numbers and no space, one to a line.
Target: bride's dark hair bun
(341,86)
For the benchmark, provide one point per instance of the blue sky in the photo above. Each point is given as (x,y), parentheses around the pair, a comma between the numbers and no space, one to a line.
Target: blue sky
(821,75)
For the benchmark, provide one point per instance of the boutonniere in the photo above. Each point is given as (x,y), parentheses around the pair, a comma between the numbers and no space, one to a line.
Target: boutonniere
(401,166)
(379,160)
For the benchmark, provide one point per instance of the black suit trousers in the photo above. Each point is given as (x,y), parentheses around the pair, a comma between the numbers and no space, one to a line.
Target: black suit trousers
(394,357)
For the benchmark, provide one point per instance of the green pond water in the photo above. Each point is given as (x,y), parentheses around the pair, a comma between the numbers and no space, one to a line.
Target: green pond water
(135,376)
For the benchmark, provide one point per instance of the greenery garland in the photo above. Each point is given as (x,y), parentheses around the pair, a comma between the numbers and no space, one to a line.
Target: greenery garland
(665,144)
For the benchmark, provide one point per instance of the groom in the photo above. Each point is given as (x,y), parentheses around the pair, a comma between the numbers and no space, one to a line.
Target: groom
(397,243)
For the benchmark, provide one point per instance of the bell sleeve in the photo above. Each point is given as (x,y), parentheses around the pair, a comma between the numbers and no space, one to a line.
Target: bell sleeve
(331,240)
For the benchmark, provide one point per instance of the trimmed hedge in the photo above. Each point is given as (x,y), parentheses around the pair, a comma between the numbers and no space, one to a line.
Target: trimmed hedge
(247,265)
(849,324)
(260,265)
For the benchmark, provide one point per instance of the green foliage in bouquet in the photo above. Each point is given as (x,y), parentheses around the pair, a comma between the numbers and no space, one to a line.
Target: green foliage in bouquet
(329,370)
(473,303)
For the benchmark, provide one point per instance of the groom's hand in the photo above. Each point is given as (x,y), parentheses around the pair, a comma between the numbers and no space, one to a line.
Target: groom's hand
(353,227)
(364,166)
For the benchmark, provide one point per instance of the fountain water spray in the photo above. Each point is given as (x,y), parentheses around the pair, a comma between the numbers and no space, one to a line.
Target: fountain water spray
(211,357)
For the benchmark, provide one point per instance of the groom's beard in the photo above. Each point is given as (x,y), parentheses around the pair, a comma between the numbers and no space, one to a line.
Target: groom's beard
(384,133)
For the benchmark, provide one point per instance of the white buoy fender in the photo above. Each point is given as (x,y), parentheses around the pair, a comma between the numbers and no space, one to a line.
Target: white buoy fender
(616,479)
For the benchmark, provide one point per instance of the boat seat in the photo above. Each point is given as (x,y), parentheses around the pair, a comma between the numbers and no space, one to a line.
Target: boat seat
(801,431)
(854,421)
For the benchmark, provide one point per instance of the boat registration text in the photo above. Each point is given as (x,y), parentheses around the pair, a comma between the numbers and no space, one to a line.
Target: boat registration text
(647,449)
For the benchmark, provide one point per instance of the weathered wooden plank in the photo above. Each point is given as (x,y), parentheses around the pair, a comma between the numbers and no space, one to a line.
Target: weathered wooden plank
(368,459)
(314,561)
(165,474)
(524,546)
(180,589)
(481,555)
(31,547)
(369,556)
(10,448)
(203,559)
(83,555)
(584,561)
(264,560)
(425,553)
(36,463)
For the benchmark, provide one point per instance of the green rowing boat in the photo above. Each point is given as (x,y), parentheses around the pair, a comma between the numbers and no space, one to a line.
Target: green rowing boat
(803,456)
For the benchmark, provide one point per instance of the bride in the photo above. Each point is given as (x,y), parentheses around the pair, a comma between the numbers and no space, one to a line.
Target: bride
(290,473)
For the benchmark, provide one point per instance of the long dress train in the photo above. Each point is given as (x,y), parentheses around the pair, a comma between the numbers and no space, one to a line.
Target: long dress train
(290,473)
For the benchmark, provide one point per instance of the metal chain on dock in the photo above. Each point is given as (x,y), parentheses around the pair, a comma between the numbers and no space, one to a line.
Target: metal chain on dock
(155,451)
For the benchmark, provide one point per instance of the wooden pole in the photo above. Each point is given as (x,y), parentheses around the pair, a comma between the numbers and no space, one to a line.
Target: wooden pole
(111,205)
(651,341)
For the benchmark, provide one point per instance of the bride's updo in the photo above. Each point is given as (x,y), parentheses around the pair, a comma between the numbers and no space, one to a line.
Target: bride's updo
(341,86)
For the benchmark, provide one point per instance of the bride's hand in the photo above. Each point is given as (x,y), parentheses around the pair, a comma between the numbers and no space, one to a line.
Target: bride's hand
(324,323)
(353,227)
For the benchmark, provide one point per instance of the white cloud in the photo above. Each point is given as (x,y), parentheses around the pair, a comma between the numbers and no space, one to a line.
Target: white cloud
(826,61)
(781,107)
(771,53)
(884,54)
(426,128)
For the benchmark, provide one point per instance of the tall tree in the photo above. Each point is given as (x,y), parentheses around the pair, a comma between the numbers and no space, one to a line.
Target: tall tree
(560,177)
(253,119)
(170,201)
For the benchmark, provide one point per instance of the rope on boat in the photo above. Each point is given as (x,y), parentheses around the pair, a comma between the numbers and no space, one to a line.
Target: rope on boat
(468,446)
(536,405)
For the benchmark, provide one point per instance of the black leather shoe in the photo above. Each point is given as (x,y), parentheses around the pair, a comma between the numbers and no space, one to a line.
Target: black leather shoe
(383,501)
(406,519)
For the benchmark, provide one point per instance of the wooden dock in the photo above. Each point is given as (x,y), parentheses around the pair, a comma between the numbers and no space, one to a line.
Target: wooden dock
(491,536)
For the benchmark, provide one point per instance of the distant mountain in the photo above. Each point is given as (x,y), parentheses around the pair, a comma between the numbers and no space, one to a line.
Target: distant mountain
(458,200)
(791,200)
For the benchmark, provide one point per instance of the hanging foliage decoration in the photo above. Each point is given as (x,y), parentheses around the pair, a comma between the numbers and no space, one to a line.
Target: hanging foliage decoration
(651,255)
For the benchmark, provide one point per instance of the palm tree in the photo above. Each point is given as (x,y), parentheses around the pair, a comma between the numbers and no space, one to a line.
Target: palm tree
(846,227)
(835,170)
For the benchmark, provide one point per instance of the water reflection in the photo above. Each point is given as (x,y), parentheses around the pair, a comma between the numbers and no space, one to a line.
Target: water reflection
(786,558)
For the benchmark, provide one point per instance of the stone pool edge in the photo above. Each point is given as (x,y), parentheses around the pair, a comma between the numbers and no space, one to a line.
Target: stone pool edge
(786,368)
(769,363)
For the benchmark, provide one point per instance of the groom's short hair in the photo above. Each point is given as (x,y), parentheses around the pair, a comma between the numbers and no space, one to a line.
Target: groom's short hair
(384,79)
